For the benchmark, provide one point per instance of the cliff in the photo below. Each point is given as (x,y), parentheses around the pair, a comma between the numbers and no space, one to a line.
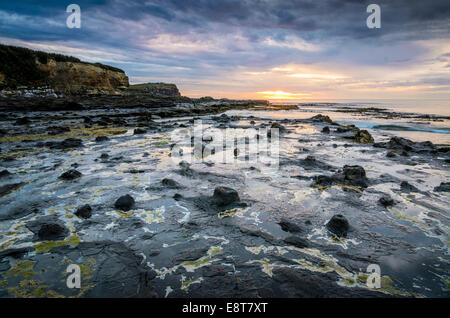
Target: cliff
(22,67)
(156,89)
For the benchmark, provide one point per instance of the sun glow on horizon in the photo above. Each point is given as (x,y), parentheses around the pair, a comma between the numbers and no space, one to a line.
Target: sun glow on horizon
(281,95)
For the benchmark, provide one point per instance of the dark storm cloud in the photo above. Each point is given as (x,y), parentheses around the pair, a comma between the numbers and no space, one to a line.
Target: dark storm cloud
(308,18)
(343,17)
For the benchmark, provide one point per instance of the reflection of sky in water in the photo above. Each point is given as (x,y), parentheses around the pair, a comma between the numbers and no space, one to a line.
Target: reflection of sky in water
(416,219)
(432,106)
(415,129)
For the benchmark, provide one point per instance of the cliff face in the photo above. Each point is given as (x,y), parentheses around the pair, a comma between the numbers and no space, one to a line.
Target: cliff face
(156,89)
(76,78)
(21,67)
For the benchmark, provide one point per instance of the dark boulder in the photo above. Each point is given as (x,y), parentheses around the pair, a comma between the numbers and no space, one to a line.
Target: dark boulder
(324,181)
(406,145)
(101,138)
(359,136)
(84,212)
(338,225)
(326,130)
(289,226)
(185,169)
(52,232)
(386,201)
(363,137)
(443,187)
(177,197)
(4,173)
(405,186)
(71,143)
(225,196)
(348,175)
(71,175)
(321,118)
(277,126)
(139,131)
(354,174)
(400,143)
(443,150)
(391,154)
(224,118)
(124,203)
(170,183)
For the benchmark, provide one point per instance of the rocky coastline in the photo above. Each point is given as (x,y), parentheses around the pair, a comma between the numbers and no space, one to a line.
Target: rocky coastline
(95,185)
(93,179)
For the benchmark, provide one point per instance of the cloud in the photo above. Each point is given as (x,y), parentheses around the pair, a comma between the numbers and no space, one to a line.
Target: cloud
(248,46)
(317,76)
(292,42)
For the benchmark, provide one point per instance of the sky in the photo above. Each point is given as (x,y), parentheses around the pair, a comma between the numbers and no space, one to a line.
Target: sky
(291,50)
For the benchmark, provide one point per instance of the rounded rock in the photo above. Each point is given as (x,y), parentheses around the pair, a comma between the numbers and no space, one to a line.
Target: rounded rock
(71,175)
(84,212)
(338,225)
(124,203)
(225,196)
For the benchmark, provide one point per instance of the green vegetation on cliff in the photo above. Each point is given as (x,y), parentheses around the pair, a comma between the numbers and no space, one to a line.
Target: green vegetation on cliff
(157,89)
(18,66)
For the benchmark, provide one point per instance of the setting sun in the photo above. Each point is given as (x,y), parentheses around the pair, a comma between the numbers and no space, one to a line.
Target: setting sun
(282,95)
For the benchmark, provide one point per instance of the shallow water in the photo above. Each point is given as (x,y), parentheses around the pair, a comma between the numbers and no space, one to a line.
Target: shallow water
(409,241)
(416,129)
(429,106)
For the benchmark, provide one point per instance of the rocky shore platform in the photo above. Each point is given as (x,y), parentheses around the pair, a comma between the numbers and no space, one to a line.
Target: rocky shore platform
(93,181)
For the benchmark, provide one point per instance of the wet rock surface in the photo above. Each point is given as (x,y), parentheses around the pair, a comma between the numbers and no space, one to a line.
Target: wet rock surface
(348,175)
(399,143)
(160,227)
(8,188)
(405,186)
(296,241)
(289,226)
(170,183)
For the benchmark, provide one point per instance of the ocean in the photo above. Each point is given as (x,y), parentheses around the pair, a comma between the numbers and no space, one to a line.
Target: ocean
(408,121)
